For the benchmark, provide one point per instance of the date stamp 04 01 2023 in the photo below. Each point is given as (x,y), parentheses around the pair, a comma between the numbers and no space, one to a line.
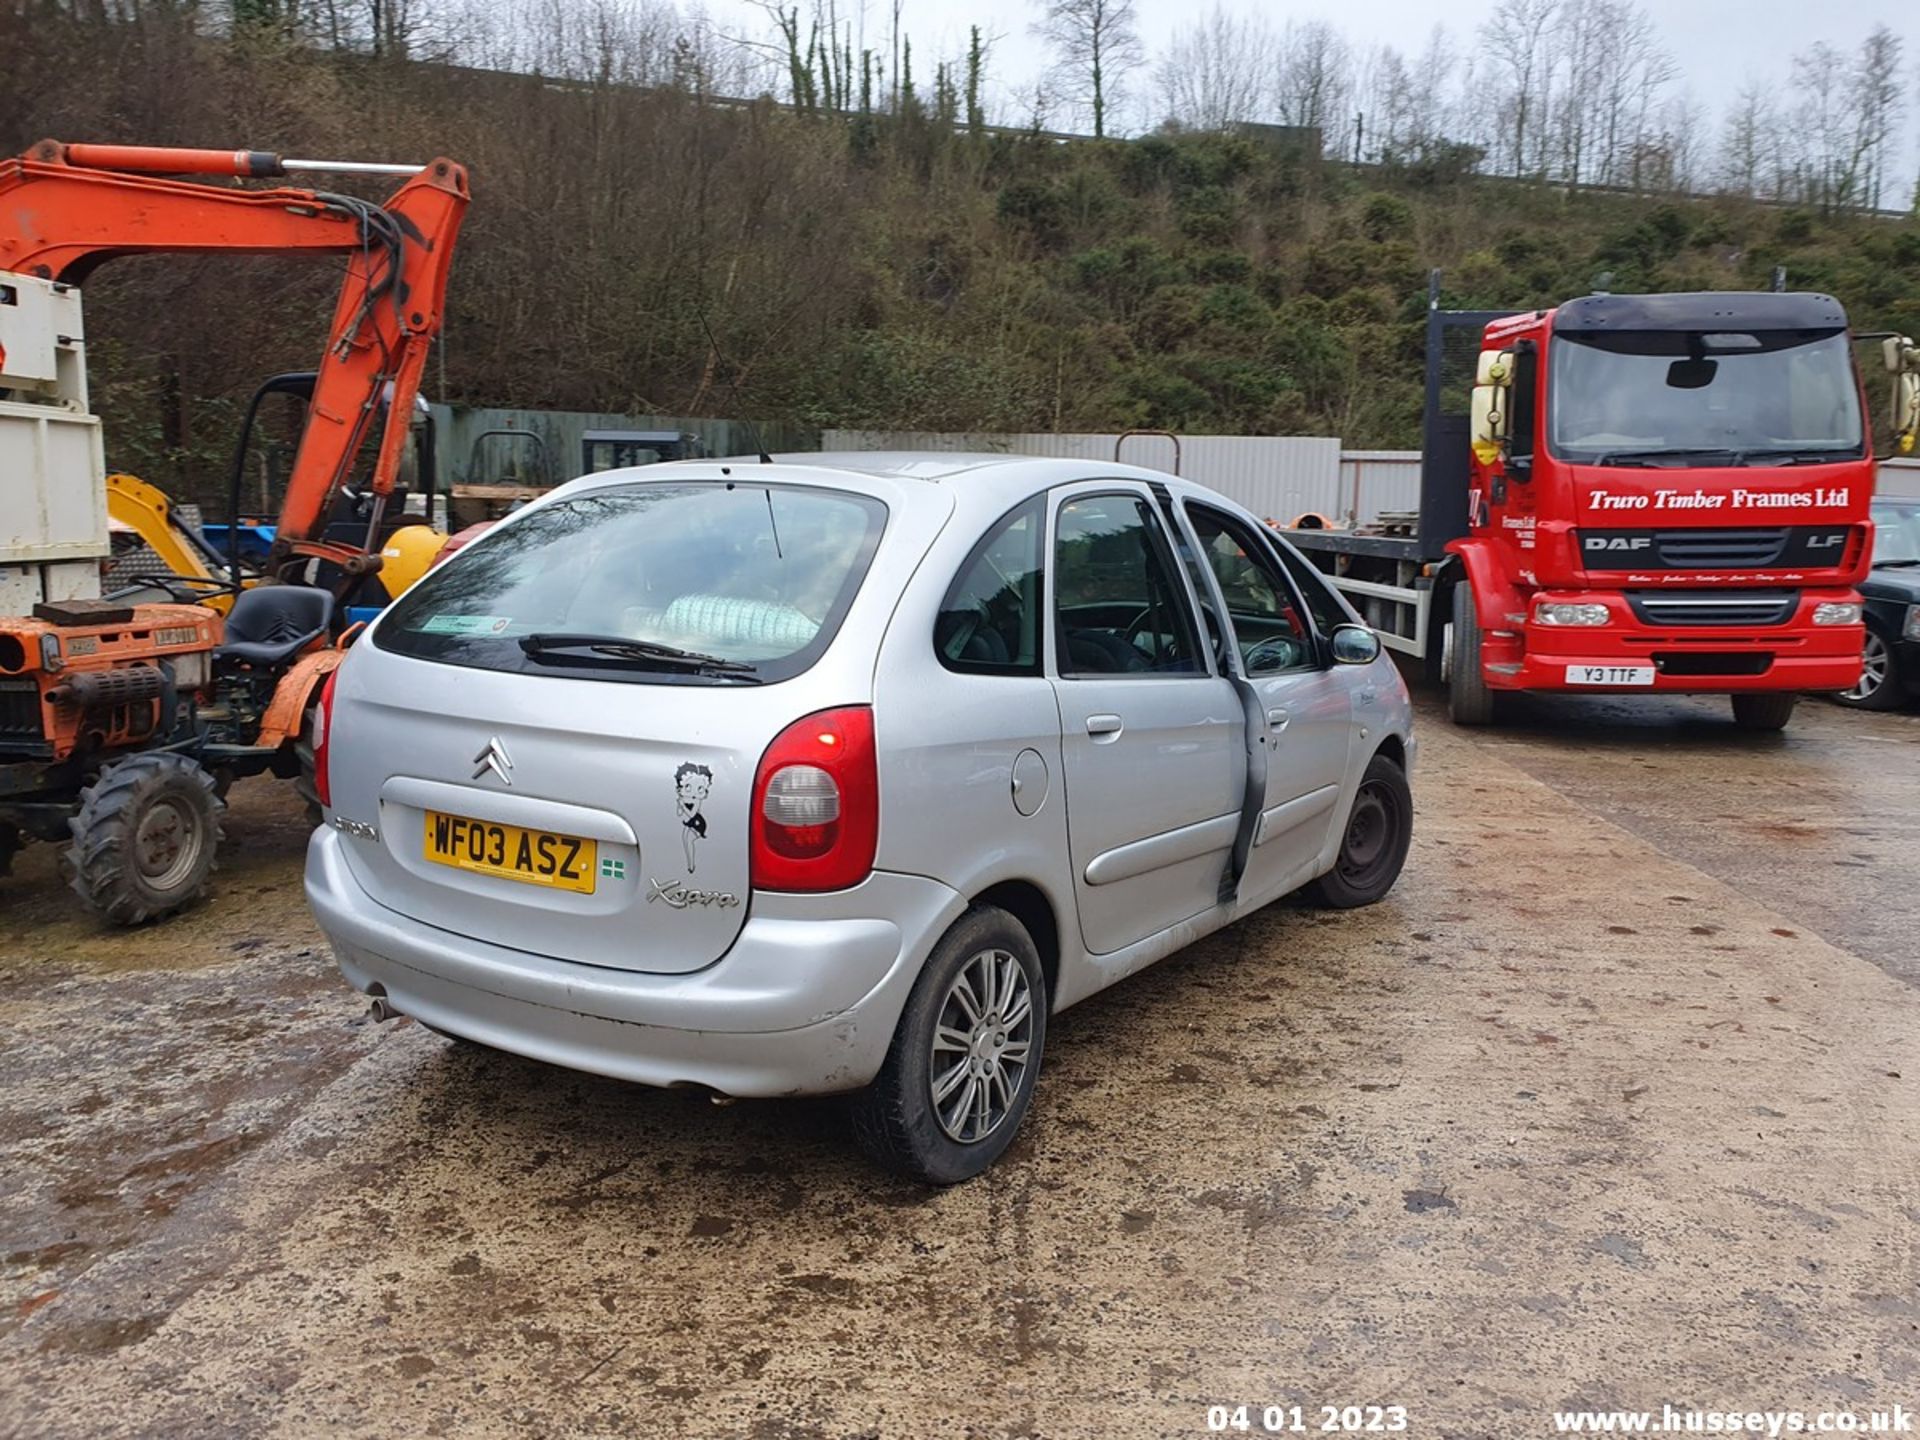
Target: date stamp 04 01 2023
(1307,1419)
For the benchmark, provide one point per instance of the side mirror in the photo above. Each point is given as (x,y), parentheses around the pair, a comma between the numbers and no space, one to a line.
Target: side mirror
(1355,645)
(1491,415)
(1903,362)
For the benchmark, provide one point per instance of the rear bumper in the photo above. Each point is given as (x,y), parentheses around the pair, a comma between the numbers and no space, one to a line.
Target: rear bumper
(804,1003)
(1797,655)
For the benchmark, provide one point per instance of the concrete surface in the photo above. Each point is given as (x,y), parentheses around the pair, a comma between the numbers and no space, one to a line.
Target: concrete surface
(1615,1102)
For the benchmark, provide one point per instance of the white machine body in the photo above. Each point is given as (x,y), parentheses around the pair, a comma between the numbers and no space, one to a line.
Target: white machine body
(53,492)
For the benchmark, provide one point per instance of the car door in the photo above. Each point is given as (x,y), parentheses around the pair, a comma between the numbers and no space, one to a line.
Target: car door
(1151,731)
(1305,704)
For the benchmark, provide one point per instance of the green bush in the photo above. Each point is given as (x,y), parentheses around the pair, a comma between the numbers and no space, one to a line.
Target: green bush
(1386,217)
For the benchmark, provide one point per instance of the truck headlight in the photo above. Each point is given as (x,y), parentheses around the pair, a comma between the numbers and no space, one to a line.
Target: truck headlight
(1912,628)
(1558,612)
(1837,612)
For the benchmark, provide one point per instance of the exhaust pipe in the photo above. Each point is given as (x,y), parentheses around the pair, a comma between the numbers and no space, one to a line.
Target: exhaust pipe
(381,1010)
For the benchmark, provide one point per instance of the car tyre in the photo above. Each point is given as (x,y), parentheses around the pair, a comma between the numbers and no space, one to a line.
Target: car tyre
(145,838)
(1762,713)
(1881,686)
(1469,700)
(959,1075)
(1373,848)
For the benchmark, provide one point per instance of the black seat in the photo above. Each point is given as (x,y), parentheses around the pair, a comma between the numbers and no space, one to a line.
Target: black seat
(1099,652)
(270,624)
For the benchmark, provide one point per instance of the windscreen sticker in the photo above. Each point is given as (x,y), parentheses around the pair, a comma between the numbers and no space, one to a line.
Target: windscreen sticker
(466,624)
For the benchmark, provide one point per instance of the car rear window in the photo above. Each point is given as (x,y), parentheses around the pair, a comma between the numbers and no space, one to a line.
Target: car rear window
(755,577)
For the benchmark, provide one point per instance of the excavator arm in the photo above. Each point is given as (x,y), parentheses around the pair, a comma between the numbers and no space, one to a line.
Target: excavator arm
(65,209)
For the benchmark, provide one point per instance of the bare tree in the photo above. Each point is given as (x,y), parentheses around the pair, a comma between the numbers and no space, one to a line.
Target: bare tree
(1667,155)
(1427,103)
(1518,41)
(1615,73)
(1384,93)
(1098,45)
(1580,42)
(1820,120)
(1879,103)
(1215,72)
(1313,79)
(1751,142)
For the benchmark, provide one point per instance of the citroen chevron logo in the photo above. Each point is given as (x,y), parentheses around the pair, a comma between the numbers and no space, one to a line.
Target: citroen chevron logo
(494,757)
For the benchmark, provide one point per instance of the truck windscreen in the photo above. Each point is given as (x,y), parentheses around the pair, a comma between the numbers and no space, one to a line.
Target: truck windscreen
(1673,397)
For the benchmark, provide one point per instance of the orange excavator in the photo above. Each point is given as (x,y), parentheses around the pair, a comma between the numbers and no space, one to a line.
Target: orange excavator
(121,724)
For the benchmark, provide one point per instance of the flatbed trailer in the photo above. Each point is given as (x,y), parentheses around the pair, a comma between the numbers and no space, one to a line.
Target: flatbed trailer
(1390,577)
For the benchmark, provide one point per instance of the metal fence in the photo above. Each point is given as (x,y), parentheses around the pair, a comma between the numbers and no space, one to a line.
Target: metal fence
(1278,477)
(481,445)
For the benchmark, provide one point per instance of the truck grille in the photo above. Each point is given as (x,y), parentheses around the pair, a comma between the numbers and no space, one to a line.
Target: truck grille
(1696,607)
(1720,549)
(1778,547)
(19,709)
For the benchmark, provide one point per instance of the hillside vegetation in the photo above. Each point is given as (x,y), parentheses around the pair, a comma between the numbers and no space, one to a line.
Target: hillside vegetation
(642,250)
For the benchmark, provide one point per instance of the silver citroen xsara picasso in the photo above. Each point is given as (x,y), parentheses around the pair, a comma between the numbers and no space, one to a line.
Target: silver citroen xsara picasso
(844,773)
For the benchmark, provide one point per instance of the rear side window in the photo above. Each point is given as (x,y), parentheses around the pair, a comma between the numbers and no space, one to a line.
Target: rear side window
(628,582)
(990,621)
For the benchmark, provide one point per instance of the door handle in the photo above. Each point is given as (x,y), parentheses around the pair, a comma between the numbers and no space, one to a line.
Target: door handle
(1104,728)
(1277,718)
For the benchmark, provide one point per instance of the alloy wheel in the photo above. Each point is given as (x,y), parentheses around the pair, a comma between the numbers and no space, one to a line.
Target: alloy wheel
(1874,664)
(982,1041)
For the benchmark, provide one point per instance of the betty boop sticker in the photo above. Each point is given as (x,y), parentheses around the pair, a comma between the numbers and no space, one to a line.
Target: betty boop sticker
(691,784)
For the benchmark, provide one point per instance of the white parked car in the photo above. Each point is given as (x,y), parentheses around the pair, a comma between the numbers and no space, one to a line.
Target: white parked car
(844,773)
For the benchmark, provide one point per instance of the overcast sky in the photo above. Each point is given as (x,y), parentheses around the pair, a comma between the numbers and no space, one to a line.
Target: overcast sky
(1718,43)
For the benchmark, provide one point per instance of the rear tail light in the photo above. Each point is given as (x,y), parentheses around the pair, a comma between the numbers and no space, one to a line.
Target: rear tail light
(816,804)
(323,740)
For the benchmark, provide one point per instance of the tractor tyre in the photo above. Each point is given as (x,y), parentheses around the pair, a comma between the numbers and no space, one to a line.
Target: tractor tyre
(144,841)
(303,781)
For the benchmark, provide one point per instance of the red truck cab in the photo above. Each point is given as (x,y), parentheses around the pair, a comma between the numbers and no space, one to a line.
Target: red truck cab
(1666,493)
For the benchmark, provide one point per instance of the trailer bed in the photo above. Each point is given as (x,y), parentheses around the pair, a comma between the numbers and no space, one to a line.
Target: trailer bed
(1387,578)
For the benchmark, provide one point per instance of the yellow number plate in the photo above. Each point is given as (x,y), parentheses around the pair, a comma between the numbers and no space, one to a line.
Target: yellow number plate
(539,857)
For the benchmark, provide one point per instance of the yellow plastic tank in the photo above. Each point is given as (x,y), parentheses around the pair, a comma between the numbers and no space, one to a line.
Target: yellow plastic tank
(406,556)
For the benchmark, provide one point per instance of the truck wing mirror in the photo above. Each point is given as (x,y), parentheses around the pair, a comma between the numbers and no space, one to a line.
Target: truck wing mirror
(1903,362)
(1490,408)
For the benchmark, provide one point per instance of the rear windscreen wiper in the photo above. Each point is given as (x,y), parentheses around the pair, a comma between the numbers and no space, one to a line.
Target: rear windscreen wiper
(637,652)
(1894,564)
(1652,458)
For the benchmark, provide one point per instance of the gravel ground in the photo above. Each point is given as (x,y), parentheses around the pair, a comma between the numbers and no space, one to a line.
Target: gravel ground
(1614,1103)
